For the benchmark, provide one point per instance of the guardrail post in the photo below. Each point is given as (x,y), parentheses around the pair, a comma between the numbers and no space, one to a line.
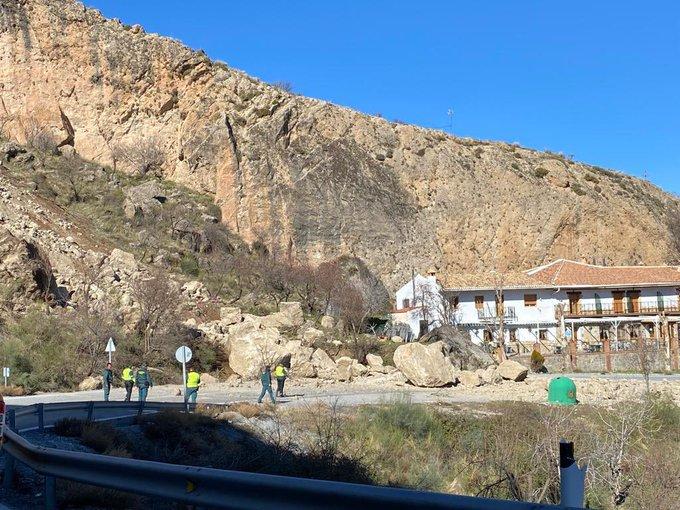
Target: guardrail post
(40,410)
(50,493)
(90,410)
(572,477)
(8,479)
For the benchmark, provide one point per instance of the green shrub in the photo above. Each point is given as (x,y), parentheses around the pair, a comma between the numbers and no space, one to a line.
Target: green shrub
(69,427)
(101,437)
(591,178)
(541,172)
(578,189)
(189,265)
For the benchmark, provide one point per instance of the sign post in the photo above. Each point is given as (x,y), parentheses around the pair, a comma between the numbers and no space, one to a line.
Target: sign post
(183,355)
(110,348)
(5,374)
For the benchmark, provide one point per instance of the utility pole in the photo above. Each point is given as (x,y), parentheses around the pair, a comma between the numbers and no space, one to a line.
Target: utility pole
(449,113)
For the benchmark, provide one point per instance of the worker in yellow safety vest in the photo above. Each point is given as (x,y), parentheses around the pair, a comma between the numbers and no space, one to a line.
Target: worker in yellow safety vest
(193,383)
(280,373)
(128,377)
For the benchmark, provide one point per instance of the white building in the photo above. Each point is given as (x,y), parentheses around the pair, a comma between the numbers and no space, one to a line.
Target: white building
(417,306)
(552,303)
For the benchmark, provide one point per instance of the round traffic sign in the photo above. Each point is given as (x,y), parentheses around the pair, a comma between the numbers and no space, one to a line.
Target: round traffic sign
(183,354)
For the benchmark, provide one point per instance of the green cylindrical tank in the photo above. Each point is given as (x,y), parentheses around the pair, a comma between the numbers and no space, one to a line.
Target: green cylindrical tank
(562,391)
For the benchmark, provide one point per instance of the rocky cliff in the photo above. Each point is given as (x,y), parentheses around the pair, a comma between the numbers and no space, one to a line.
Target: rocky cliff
(307,177)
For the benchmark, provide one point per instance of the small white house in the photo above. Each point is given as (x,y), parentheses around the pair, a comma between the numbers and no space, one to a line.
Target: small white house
(416,306)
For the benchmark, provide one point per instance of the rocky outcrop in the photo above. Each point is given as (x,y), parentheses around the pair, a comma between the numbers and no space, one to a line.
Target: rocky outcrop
(424,365)
(26,272)
(294,171)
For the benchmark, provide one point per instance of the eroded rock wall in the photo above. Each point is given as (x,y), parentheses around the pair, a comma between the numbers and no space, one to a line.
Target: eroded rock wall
(307,177)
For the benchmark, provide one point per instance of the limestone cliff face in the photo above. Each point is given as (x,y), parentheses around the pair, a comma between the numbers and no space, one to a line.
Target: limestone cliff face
(308,177)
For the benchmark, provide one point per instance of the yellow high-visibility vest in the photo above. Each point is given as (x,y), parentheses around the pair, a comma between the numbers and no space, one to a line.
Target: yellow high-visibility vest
(280,371)
(193,379)
(128,375)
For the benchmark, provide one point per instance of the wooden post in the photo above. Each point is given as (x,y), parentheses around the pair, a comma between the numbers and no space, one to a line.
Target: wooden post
(675,346)
(573,348)
(606,346)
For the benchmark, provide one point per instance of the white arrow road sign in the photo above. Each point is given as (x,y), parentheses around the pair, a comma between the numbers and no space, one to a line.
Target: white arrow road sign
(110,347)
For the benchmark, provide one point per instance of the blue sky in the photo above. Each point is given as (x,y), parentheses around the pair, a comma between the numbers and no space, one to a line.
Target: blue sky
(599,80)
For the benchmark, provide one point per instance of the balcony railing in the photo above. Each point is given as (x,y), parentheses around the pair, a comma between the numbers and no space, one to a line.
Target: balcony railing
(642,307)
(491,315)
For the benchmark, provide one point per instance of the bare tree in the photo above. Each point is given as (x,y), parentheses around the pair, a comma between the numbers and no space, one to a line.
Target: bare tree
(616,454)
(286,86)
(158,300)
(647,354)
(143,156)
(38,137)
(438,307)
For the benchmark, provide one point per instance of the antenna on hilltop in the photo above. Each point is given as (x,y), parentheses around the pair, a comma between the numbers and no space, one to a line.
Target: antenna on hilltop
(449,113)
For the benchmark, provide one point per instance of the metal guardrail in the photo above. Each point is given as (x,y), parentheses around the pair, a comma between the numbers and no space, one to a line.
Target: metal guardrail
(214,488)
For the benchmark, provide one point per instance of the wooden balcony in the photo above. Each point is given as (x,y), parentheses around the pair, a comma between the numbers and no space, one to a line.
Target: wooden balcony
(649,307)
(491,316)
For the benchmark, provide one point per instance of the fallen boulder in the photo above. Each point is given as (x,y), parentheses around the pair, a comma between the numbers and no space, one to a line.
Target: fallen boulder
(424,365)
(462,352)
(290,315)
(327,322)
(469,379)
(512,370)
(90,383)
(374,360)
(324,364)
(252,348)
(230,315)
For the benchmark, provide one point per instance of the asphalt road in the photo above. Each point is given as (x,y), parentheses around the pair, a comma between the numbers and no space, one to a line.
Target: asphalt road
(300,395)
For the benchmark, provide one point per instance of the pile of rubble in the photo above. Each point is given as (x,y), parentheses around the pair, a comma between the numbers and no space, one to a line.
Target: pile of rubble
(252,342)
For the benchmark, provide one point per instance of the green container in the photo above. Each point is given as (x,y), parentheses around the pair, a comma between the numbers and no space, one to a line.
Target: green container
(562,391)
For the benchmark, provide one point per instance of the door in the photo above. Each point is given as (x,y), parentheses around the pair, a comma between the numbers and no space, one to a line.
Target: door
(618,301)
(574,302)
(634,301)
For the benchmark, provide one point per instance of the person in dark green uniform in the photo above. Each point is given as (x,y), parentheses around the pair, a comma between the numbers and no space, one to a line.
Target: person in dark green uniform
(266,380)
(107,381)
(143,382)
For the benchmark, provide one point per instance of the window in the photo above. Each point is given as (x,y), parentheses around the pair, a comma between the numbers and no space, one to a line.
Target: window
(530,299)
(406,303)
(479,302)
(543,335)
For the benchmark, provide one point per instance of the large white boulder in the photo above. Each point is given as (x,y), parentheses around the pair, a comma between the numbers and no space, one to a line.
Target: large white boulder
(469,379)
(512,370)
(251,347)
(344,368)
(311,335)
(91,383)
(424,365)
(300,359)
(490,375)
(290,315)
(327,322)
(324,364)
(373,360)
(230,315)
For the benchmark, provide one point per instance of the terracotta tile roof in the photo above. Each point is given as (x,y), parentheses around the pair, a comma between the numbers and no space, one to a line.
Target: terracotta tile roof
(490,280)
(568,273)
